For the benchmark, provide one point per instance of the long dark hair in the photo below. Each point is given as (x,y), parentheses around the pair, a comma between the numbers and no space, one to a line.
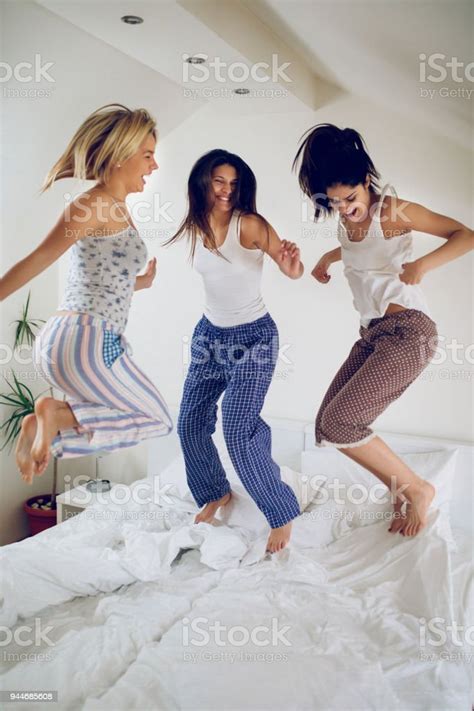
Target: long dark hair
(196,223)
(329,156)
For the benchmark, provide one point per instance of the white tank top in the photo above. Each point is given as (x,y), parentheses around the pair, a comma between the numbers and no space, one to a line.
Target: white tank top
(231,285)
(372,267)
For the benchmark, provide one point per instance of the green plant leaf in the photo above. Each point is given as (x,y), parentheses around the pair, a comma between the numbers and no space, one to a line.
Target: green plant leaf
(26,326)
(22,401)
(10,400)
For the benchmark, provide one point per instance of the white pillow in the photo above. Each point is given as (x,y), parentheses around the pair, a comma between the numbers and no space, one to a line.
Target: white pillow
(243,511)
(348,496)
(289,476)
(175,472)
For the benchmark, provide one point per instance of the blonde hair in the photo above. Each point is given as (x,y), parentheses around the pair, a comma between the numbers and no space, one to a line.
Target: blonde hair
(110,135)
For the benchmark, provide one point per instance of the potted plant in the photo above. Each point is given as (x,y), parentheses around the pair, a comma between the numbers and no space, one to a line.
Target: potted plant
(40,509)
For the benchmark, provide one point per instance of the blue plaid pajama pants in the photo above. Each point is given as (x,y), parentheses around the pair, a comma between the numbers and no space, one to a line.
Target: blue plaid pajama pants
(238,361)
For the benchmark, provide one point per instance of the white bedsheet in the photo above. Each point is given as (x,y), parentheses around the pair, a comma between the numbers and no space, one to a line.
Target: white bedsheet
(119,593)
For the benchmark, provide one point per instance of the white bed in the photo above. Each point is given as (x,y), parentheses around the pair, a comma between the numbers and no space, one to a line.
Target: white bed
(125,599)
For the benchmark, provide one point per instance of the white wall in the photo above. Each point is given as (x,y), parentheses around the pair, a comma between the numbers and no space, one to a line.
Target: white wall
(318,322)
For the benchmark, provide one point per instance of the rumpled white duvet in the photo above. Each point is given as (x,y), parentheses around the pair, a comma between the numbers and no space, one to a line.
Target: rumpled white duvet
(142,609)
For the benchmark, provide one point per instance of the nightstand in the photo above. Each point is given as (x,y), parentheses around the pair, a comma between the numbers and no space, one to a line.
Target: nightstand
(74,501)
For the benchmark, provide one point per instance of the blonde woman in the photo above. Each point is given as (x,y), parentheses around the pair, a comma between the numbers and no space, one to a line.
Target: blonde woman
(81,351)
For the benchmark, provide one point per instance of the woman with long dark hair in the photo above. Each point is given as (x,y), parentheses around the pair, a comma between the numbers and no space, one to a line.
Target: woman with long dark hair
(235,344)
(398,337)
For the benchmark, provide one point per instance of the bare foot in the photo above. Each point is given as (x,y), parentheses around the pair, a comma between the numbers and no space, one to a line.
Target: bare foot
(399,517)
(208,512)
(278,538)
(419,498)
(24,460)
(46,409)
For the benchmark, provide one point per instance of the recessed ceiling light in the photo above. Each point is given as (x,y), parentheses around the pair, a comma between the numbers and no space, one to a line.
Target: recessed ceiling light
(242,91)
(132,19)
(195,60)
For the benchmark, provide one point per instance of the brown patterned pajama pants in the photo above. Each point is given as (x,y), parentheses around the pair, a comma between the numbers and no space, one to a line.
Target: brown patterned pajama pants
(392,351)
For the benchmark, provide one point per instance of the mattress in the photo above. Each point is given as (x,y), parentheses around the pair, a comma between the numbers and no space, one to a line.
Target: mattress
(140,608)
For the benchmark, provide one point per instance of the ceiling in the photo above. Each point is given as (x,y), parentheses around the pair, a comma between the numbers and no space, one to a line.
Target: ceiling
(368,48)
(372,49)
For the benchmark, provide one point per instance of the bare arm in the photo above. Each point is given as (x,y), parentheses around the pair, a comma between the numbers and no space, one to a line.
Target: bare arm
(144,281)
(320,271)
(459,238)
(254,234)
(70,227)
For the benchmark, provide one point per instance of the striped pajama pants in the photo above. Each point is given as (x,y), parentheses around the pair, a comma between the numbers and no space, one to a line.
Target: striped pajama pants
(239,362)
(391,353)
(115,404)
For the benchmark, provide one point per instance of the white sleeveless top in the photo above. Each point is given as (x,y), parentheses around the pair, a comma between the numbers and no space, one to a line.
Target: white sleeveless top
(231,285)
(372,267)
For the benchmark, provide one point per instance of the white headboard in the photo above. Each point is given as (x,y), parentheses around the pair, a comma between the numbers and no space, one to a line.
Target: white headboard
(291,437)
